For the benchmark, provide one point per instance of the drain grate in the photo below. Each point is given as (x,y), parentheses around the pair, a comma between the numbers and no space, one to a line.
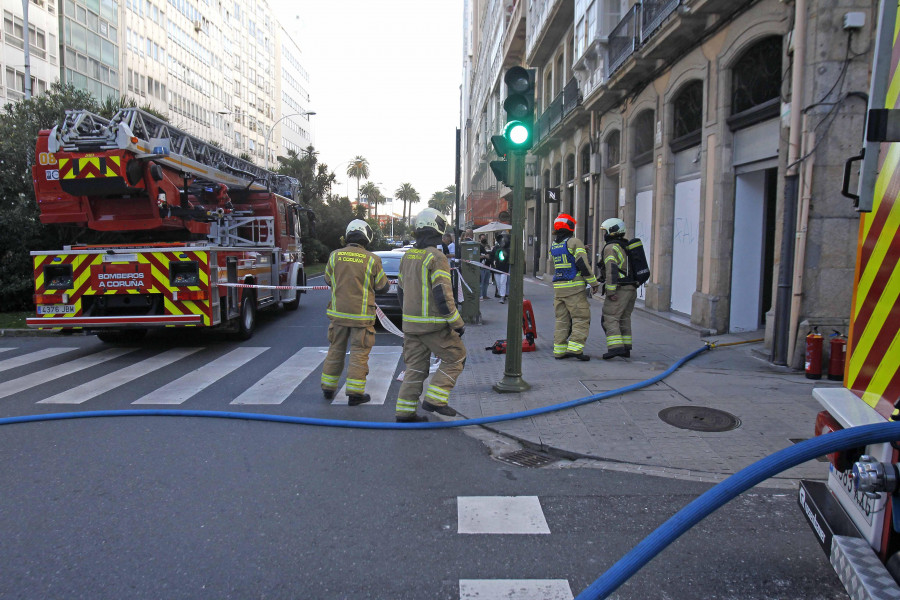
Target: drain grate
(699,418)
(526,458)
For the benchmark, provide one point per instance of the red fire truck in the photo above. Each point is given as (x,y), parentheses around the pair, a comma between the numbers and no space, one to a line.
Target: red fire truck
(172,228)
(854,514)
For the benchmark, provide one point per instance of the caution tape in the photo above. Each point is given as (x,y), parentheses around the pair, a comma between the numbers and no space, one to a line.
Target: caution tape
(276,287)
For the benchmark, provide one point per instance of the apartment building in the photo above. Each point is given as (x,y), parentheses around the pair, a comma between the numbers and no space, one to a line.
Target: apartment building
(292,92)
(43,37)
(674,116)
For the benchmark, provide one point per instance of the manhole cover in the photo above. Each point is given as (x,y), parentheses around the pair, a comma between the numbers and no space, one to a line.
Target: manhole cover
(699,418)
(526,458)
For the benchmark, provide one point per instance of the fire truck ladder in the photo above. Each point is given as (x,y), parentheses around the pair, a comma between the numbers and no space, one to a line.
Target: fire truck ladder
(151,137)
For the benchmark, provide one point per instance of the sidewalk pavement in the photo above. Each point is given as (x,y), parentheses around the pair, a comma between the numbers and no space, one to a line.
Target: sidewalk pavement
(774,405)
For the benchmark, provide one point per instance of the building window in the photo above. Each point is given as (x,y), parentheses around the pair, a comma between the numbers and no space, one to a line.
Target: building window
(586,159)
(643,137)
(570,167)
(613,149)
(687,114)
(756,77)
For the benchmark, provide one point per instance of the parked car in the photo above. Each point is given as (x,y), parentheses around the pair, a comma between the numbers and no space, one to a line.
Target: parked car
(390,300)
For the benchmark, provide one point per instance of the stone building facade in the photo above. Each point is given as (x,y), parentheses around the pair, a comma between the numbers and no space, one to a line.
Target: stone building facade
(674,115)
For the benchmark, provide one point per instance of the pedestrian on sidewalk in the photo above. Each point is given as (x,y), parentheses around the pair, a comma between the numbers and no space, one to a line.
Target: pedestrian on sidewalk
(501,263)
(431,323)
(486,261)
(620,288)
(571,276)
(355,276)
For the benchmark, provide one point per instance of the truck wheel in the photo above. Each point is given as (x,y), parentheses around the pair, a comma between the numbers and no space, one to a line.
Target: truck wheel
(247,320)
(122,336)
(293,304)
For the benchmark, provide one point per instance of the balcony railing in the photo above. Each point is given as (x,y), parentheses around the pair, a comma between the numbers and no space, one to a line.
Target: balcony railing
(564,103)
(653,13)
(623,39)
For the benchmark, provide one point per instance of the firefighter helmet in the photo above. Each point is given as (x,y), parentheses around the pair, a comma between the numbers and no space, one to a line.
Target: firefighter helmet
(358,231)
(564,221)
(430,218)
(613,226)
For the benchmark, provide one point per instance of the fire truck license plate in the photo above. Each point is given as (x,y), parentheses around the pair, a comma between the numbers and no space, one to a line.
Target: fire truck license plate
(56,309)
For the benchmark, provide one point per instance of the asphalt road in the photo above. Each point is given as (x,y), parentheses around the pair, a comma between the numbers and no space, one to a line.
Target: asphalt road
(151,507)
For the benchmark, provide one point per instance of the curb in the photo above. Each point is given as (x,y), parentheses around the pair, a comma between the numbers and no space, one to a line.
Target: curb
(35,333)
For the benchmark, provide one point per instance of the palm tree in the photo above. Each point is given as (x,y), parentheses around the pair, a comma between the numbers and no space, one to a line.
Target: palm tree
(443,200)
(373,195)
(359,168)
(407,193)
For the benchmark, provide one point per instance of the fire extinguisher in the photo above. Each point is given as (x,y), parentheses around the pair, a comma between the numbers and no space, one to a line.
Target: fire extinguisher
(838,353)
(814,354)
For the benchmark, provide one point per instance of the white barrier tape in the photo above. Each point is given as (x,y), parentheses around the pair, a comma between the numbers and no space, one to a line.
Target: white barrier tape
(481,266)
(276,287)
(386,323)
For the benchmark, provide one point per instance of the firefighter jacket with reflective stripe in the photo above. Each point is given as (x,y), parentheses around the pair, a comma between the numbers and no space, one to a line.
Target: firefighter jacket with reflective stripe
(426,309)
(354,275)
(570,277)
(615,266)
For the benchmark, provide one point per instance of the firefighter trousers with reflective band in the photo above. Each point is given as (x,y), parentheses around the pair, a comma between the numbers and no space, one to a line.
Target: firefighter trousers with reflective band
(361,340)
(573,322)
(616,319)
(417,350)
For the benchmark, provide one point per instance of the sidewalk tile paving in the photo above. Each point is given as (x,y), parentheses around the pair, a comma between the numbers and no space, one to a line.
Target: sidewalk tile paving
(774,404)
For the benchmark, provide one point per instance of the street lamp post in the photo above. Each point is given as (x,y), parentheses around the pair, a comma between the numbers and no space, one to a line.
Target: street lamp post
(272,130)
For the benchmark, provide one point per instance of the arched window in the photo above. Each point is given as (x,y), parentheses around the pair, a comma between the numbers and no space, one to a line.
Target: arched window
(586,159)
(756,83)
(570,167)
(643,137)
(687,115)
(613,149)
(547,178)
(557,174)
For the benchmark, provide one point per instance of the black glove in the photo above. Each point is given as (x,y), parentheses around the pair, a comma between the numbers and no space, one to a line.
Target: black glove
(460,331)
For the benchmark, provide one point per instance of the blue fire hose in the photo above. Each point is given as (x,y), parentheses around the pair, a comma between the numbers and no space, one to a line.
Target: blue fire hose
(353,424)
(741,481)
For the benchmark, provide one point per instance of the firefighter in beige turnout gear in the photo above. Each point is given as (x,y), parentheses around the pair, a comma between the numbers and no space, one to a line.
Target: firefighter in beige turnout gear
(571,276)
(431,323)
(620,288)
(355,276)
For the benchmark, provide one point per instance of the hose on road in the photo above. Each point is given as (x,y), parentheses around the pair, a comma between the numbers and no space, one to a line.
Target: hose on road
(353,424)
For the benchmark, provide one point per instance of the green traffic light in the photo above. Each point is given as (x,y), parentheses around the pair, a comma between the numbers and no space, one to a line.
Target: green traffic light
(517,133)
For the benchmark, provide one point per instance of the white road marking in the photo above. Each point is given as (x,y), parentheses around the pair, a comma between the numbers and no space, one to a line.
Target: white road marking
(382,365)
(277,385)
(181,389)
(18,361)
(514,589)
(15,386)
(500,515)
(92,389)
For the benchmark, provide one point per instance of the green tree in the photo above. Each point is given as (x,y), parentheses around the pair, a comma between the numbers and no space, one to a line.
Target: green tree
(444,200)
(22,230)
(408,194)
(315,178)
(358,168)
(373,195)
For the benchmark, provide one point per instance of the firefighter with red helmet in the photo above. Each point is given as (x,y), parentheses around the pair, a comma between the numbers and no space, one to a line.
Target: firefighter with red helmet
(570,280)
(620,288)
(355,276)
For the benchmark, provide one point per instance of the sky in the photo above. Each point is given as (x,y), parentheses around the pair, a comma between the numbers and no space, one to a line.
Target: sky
(385,81)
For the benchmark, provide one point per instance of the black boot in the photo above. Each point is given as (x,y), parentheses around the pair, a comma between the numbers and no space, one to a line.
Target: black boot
(413,419)
(329,394)
(583,357)
(616,352)
(357,399)
(441,409)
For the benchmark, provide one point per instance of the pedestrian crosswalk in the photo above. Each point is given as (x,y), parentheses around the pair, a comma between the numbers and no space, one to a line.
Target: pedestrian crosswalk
(506,515)
(274,386)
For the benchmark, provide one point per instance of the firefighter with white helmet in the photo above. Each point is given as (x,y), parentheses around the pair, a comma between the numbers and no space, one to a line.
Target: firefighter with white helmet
(571,275)
(620,289)
(355,276)
(431,323)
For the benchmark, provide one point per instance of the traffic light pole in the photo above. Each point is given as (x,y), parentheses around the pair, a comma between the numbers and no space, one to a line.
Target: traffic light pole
(512,375)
